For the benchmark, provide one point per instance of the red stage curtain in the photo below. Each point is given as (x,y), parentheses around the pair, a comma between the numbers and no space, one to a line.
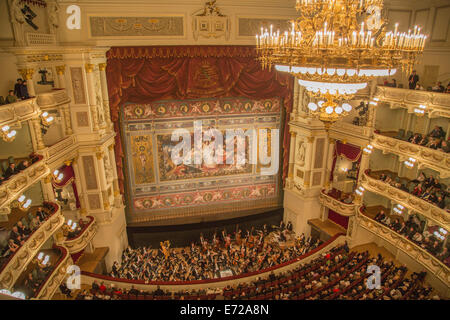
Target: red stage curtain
(69,177)
(348,151)
(147,74)
(337,218)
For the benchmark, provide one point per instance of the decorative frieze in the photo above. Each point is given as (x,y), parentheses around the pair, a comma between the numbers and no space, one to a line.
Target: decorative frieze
(344,209)
(431,263)
(437,104)
(439,216)
(426,157)
(29,249)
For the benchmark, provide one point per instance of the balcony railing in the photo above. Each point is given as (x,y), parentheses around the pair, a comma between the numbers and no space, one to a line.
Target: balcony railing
(433,159)
(432,212)
(14,186)
(56,277)
(336,205)
(82,240)
(20,259)
(21,110)
(438,104)
(52,98)
(61,150)
(430,262)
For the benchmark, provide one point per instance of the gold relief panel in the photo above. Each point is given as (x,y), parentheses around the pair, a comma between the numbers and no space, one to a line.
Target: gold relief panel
(317,177)
(76,73)
(136,26)
(82,119)
(300,174)
(94,201)
(318,162)
(89,172)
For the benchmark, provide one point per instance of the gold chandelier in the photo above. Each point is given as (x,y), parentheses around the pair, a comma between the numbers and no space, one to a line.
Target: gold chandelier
(335,47)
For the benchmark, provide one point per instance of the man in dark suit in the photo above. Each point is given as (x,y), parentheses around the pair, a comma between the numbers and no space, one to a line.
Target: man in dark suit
(413,79)
(11,170)
(17,88)
(23,165)
(289,226)
(41,214)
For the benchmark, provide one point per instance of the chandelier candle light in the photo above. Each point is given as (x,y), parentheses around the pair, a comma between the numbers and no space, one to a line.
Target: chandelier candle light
(335,47)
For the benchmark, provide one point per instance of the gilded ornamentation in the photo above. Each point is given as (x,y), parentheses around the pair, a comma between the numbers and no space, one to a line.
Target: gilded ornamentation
(60,70)
(211,23)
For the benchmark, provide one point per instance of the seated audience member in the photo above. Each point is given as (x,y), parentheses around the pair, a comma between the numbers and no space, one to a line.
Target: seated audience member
(10,98)
(34,158)
(415,138)
(11,170)
(438,87)
(419,87)
(445,146)
(437,132)
(380,216)
(448,88)
(23,231)
(16,236)
(23,165)
(424,141)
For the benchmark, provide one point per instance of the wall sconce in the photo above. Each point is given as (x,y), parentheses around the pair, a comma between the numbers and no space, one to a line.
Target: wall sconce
(7,134)
(399,209)
(368,149)
(440,234)
(360,191)
(43,260)
(58,176)
(410,163)
(24,203)
(47,119)
(420,111)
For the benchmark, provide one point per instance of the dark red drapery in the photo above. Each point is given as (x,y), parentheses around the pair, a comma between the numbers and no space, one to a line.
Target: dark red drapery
(147,74)
(348,151)
(69,177)
(337,218)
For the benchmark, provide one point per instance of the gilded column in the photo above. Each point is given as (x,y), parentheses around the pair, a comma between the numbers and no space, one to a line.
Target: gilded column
(296,101)
(112,158)
(27,74)
(47,188)
(331,144)
(103,183)
(364,165)
(38,133)
(105,96)
(80,190)
(292,154)
(308,160)
(91,93)
(60,70)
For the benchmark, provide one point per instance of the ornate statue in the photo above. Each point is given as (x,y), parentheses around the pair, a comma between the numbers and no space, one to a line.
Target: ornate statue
(301,153)
(53,19)
(17,20)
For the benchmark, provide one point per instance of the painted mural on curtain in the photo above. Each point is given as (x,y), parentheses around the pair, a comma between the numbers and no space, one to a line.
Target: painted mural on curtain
(158,185)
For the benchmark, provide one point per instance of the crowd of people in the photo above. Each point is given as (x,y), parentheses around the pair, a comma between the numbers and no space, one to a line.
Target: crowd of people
(228,254)
(20,92)
(414,84)
(34,279)
(13,168)
(426,188)
(22,230)
(434,140)
(413,229)
(336,274)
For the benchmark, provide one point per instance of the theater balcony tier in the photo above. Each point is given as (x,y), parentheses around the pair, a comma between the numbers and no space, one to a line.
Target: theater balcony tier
(56,277)
(61,151)
(80,242)
(431,263)
(336,205)
(432,212)
(20,259)
(52,99)
(438,104)
(18,183)
(22,110)
(426,157)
